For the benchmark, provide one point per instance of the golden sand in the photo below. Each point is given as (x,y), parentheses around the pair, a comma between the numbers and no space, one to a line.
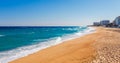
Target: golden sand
(100,47)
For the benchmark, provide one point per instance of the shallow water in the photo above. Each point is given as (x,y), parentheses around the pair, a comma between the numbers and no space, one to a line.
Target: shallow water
(16,42)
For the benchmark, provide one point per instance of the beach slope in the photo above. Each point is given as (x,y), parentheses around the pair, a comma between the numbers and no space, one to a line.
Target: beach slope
(86,49)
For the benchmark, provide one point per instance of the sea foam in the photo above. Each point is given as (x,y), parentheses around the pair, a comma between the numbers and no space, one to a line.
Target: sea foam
(11,55)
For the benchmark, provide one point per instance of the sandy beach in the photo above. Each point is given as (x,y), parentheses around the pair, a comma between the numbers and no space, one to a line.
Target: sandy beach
(103,46)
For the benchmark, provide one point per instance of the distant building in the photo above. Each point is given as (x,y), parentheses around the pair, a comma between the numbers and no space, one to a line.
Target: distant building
(96,23)
(104,22)
(117,21)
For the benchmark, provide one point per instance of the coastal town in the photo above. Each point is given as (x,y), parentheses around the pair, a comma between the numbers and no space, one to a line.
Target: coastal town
(107,23)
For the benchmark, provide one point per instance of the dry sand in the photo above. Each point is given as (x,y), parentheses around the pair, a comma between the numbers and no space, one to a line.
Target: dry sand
(100,47)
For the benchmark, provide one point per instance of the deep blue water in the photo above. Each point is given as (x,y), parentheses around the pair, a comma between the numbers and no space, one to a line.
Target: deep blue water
(17,42)
(13,37)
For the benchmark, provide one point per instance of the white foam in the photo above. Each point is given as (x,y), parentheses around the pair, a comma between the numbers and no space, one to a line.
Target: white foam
(11,55)
(24,51)
(79,34)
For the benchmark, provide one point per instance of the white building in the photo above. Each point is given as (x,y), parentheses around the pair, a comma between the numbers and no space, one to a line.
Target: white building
(96,23)
(104,22)
(117,21)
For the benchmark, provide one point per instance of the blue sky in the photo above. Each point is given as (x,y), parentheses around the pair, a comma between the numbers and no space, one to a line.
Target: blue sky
(56,12)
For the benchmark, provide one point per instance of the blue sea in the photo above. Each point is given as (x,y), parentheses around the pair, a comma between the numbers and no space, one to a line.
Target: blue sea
(20,41)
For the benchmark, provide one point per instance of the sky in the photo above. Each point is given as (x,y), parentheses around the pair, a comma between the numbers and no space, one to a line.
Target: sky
(57,12)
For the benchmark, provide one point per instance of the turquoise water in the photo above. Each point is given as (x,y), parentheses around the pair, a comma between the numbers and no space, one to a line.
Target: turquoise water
(18,39)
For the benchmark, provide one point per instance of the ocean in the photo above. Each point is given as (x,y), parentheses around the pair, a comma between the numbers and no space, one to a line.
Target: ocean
(20,41)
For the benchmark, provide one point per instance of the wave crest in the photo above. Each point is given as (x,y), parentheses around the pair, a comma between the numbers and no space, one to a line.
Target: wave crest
(8,56)
(2,35)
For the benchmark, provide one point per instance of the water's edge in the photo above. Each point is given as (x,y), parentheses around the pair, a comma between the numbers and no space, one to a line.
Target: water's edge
(51,42)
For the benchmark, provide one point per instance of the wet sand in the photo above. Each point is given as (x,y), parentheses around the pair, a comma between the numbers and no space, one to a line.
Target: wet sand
(103,46)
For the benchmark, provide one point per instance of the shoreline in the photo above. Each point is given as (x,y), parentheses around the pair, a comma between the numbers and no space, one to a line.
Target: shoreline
(100,47)
(89,30)
(87,33)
